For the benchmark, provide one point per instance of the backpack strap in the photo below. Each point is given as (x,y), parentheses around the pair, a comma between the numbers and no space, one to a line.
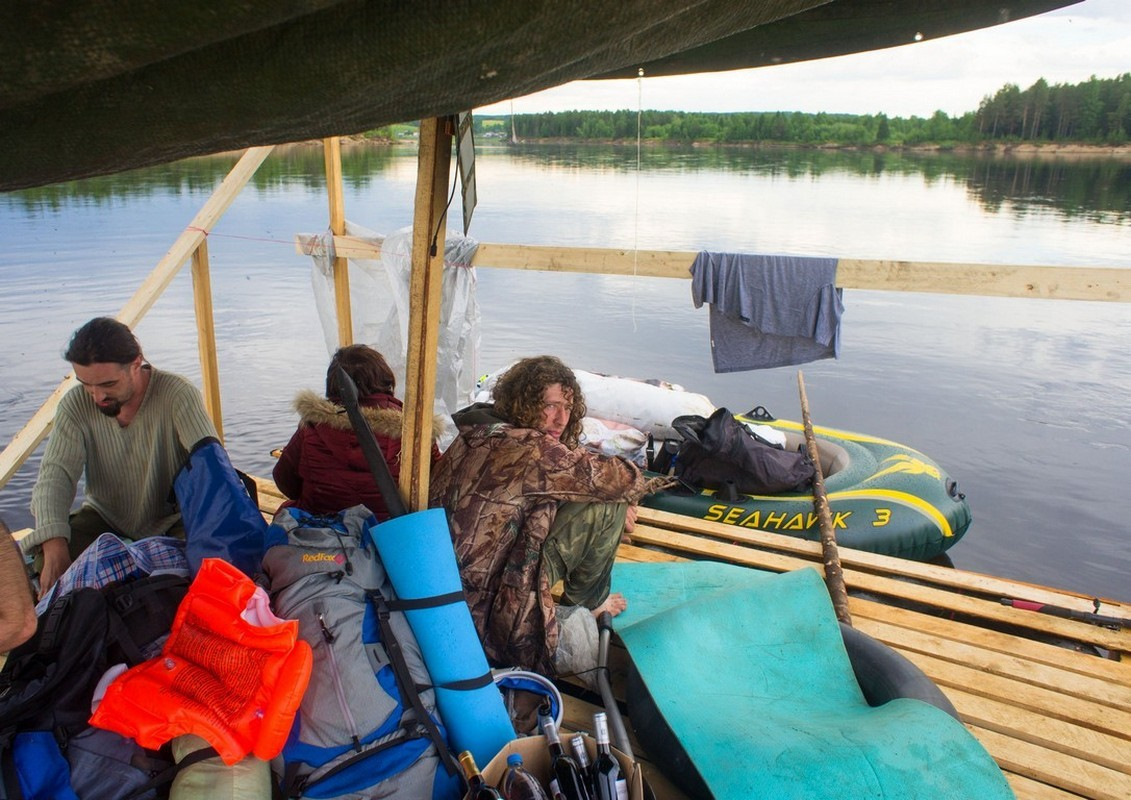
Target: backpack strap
(167,775)
(120,634)
(151,603)
(374,458)
(51,624)
(295,785)
(10,780)
(435,601)
(405,683)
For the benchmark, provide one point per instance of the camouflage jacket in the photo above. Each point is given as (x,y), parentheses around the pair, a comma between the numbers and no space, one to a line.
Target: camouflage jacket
(501,486)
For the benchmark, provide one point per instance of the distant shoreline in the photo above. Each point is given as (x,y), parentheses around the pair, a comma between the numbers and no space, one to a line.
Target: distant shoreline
(1070,150)
(1046,149)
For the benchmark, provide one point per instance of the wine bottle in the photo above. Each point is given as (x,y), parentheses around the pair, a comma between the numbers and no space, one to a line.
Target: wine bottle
(565,774)
(518,784)
(477,787)
(608,779)
(581,753)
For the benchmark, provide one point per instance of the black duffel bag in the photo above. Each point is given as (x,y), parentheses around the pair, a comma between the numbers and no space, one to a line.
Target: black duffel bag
(718,452)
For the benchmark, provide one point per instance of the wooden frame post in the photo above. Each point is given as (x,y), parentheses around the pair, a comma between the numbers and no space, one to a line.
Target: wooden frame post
(428,234)
(206,336)
(333,158)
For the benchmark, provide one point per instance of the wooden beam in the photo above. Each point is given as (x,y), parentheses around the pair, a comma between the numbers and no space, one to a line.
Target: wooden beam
(606,261)
(1107,284)
(193,234)
(1070,677)
(1025,788)
(1083,778)
(963,581)
(1105,727)
(990,280)
(28,437)
(886,586)
(206,336)
(428,234)
(333,159)
(882,619)
(25,441)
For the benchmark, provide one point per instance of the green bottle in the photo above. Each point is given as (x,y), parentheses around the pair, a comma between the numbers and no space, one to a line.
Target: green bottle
(607,776)
(565,774)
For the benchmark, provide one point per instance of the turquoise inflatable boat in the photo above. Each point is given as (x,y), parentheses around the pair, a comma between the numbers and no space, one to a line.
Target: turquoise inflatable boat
(884,497)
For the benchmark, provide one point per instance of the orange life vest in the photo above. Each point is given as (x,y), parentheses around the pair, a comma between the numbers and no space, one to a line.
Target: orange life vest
(233,683)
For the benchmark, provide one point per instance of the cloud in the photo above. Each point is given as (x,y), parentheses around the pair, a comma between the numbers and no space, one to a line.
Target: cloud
(953,73)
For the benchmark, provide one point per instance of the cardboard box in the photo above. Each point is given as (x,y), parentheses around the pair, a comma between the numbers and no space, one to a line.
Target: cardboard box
(536,760)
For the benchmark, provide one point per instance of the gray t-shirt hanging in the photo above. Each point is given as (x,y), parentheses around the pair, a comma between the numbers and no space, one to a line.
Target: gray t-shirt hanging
(768,310)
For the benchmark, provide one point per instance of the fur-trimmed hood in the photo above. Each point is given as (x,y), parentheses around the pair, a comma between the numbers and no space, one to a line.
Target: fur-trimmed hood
(315,410)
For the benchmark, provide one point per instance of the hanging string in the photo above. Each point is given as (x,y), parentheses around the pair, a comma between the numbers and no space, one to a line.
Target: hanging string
(636,212)
(214,235)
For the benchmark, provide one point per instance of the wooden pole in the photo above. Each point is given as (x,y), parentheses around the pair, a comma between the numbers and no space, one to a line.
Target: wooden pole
(428,234)
(333,158)
(206,336)
(834,577)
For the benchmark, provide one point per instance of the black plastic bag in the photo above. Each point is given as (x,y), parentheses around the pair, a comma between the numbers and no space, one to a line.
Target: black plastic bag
(718,451)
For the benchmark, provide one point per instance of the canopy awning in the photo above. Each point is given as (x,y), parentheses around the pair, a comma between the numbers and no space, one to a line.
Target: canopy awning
(90,87)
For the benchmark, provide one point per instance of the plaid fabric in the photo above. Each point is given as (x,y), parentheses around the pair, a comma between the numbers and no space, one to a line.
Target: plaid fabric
(111,558)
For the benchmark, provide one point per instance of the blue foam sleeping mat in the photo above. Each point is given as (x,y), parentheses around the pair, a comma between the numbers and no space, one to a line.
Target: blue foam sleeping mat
(750,673)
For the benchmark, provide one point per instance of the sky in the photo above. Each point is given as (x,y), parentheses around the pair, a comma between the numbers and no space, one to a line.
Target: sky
(952,74)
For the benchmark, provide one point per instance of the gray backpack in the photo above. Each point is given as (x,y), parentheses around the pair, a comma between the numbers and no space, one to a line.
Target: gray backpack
(368,724)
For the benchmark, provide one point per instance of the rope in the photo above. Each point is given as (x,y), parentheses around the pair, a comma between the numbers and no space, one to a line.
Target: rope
(636,211)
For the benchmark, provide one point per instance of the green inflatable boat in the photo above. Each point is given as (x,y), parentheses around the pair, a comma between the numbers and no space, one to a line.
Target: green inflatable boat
(884,497)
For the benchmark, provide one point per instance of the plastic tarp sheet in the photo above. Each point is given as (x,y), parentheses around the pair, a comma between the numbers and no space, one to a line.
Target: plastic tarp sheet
(750,672)
(379,292)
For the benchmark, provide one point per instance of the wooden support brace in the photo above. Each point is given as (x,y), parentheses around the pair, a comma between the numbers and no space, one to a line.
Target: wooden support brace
(428,234)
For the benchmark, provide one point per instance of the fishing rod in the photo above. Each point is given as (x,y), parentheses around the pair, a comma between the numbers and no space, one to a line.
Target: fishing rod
(1115,623)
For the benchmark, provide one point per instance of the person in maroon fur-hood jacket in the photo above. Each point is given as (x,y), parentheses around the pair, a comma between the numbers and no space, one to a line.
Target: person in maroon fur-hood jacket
(322,469)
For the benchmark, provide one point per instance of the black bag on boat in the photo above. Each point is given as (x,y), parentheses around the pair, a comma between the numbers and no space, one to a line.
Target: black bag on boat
(47,748)
(718,451)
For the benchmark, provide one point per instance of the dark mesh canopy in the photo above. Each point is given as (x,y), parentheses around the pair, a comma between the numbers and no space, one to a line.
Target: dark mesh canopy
(90,87)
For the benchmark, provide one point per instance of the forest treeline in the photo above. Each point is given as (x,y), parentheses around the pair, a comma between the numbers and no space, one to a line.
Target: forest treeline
(1096,111)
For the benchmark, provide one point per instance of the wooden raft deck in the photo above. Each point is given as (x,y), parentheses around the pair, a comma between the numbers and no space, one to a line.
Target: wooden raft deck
(1056,719)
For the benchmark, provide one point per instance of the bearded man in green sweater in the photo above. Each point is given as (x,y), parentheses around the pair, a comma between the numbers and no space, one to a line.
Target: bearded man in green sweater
(128,428)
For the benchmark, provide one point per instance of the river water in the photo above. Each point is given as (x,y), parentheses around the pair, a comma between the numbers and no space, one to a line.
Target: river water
(1024,402)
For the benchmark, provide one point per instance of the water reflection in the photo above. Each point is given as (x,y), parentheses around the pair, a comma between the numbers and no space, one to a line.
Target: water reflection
(1094,188)
(1097,190)
(292,165)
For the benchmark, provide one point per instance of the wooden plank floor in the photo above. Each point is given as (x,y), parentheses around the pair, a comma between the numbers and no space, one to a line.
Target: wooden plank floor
(1056,719)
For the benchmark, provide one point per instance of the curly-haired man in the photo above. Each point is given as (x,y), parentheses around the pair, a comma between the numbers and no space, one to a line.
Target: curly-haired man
(528,507)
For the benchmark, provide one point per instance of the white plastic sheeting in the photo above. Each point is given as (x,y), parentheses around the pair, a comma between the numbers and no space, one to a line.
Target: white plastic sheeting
(647,406)
(379,292)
